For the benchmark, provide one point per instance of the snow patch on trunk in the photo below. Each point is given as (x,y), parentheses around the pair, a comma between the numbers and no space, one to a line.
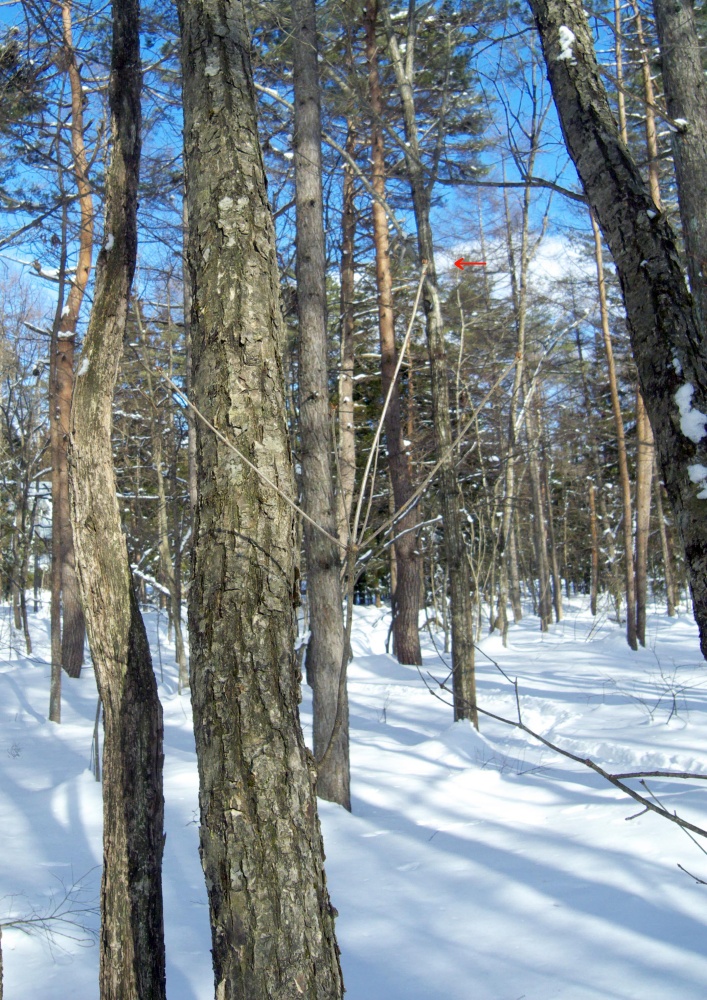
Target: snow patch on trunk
(692,422)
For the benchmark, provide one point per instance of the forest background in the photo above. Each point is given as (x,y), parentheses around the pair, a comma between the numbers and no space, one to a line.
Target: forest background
(476,402)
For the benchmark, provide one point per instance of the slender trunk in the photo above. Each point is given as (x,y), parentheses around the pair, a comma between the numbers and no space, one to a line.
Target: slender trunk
(326,643)
(671,595)
(132,958)
(261,848)
(624,480)
(618,53)
(644,477)
(406,597)
(169,568)
(594,578)
(514,575)
(460,582)
(644,457)
(73,625)
(539,527)
(550,518)
(670,354)
(55,455)
(347,427)
(191,428)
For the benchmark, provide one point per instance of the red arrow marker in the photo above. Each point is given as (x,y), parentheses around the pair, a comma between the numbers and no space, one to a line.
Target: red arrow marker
(461,263)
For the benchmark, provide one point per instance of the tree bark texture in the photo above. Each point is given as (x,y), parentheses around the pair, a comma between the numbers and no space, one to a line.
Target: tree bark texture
(261,847)
(132,960)
(460,583)
(326,643)
(670,354)
(406,594)
(686,96)
(73,625)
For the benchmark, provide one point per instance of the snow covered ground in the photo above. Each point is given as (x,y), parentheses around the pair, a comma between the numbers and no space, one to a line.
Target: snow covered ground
(474,867)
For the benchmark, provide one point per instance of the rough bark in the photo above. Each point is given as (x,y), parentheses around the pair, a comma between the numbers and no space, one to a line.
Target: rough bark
(686,96)
(261,847)
(191,426)
(132,960)
(73,625)
(670,354)
(460,583)
(406,594)
(326,643)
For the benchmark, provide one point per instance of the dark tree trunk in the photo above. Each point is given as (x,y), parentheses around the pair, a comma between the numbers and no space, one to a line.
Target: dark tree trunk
(326,643)
(406,592)
(261,847)
(670,354)
(132,959)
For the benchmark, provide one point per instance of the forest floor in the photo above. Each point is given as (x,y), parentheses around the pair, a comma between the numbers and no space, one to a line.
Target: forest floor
(473,867)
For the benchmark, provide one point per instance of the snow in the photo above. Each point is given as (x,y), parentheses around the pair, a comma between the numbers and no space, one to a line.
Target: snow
(212,67)
(698,474)
(677,366)
(83,367)
(692,422)
(65,311)
(110,242)
(473,864)
(567,40)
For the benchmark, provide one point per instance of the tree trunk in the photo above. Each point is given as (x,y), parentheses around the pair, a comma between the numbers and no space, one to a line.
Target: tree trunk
(55,446)
(73,625)
(686,95)
(644,477)
(347,425)
(539,527)
(132,960)
(261,847)
(670,354)
(550,518)
(326,643)
(594,577)
(191,427)
(624,479)
(461,595)
(406,596)
(671,596)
